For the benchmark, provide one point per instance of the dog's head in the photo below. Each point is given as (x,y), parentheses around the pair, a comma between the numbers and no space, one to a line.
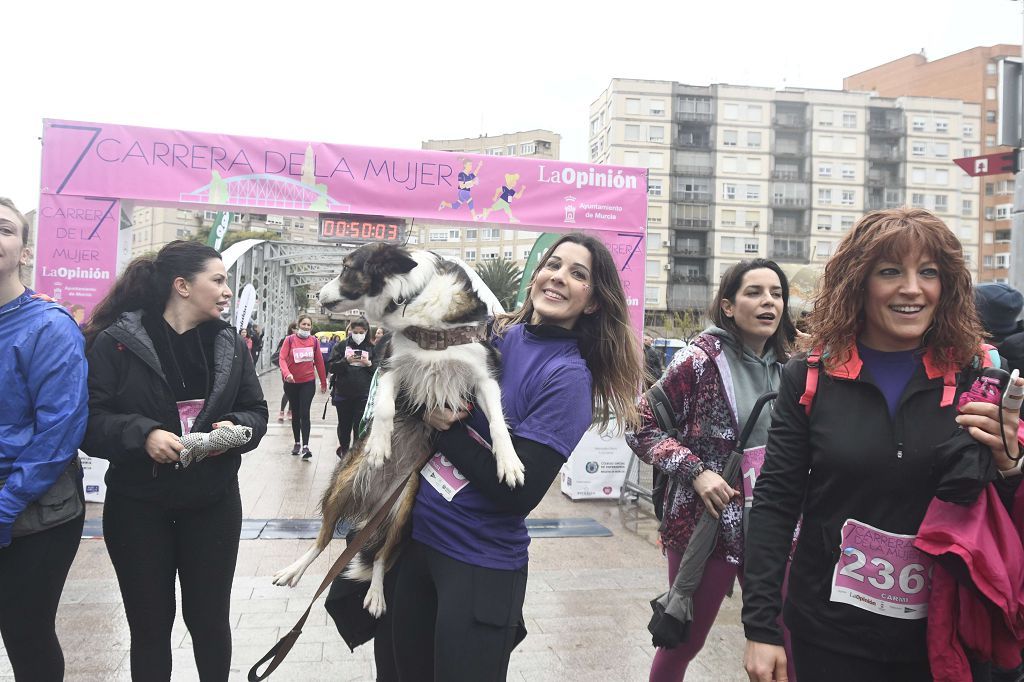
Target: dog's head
(364,274)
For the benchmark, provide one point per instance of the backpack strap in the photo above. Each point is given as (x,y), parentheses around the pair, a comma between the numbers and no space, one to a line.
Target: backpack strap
(811,385)
(662,409)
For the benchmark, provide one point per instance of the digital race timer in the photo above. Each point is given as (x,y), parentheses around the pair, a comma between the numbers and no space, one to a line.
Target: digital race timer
(352,228)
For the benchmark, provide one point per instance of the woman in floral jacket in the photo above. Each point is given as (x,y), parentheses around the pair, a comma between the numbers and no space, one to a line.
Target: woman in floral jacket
(712,384)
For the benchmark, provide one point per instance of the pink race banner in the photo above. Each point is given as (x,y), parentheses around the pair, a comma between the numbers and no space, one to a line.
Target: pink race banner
(179,167)
(76,250)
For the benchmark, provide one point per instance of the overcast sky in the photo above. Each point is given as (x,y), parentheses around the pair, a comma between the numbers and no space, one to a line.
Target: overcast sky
(392,74)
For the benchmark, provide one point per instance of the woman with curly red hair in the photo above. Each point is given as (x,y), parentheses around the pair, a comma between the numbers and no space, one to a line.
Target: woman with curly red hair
(851,450)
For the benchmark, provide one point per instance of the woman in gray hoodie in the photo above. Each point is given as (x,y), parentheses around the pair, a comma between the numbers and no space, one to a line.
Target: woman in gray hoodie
(712,385)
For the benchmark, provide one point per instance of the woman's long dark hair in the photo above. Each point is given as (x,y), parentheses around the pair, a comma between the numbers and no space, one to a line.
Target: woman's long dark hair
(146,283)
(781,341)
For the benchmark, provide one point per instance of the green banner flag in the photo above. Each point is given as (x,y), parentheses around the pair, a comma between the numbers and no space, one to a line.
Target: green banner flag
(219,229)
(543,243)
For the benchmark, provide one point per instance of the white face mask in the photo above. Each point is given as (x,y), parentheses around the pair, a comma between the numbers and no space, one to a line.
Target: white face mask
(358,338)
(302,334)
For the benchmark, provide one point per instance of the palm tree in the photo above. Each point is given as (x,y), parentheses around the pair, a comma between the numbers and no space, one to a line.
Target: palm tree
(502,277)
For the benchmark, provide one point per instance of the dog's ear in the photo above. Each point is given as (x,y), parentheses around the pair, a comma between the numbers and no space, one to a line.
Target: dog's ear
(389,261)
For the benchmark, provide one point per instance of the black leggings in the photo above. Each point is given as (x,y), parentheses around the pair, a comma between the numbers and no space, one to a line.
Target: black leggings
(814,664)
(452,621)
(148,545)
(350,411)
(300,396)
(33,569)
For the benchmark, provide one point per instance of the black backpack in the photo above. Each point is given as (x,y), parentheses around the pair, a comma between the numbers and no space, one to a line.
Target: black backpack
(662,409)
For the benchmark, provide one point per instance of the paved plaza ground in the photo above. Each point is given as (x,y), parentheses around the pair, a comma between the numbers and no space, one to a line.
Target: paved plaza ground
(586,603)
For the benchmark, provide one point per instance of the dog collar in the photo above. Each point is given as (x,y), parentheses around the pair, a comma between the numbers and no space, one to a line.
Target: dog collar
(439,339)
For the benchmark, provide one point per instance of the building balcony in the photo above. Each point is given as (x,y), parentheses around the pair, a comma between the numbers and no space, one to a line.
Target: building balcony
(794,203)
(693,223)
(879,204)
(790,254)
(886,128)
(697,145)
(691,197)
(883,180)
(688,293)
(697,171)
(791,121)
(695,117)
(790,151)
(691,251)
(884,154)
(788,175)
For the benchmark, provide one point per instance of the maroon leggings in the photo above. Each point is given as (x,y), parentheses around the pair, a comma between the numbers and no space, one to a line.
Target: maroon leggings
(670,665)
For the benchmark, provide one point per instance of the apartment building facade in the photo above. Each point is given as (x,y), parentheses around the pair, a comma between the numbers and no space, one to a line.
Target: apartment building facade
(741,172)
(154,226)
(478,244)
(971,76)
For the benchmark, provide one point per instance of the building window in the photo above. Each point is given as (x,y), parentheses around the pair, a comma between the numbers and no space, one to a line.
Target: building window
(847,197)
(753,192)
(825,170)
(1003,211)
(824,196)
(988,262)
(990,116)
(751,246)
(849,145)
(845,222)
(991,68)
(728,191)
(632,105)
(917,149)
(507,253)
(941,125)
(654,187)
(489,254)
(753,139)
(967,208)
(917,200)
(471,233)
(209,215)
(940,149)
(656,133)
(754,113)
(1002,260)
(990,93)
(918,124)
(528,148)
(656,160)
(631,158)
(728,218)
(848,172)
(633,133)
(453,235)
(732,112)
(826,118)
(656,107)
(469,255)
(941,203)
(650,294)
(824,249)
(438,235)
(524,253)
(825,221)
(728,244)
(849,119)
(825,143)
(968,130)
(918,176)
(942,177)
(729,138)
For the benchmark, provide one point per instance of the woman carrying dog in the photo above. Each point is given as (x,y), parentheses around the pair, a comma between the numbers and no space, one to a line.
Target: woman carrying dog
(301,361)
(712,384)
(42,370)
(570,359)
(854,448)
(162,364)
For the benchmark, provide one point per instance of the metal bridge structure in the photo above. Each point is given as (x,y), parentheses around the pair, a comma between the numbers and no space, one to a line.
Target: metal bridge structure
(264,190)
(277,270)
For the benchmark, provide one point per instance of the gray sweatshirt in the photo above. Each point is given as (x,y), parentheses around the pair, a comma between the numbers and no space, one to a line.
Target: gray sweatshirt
(752,376)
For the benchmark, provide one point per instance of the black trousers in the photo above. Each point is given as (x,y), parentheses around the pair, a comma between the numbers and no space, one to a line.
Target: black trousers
(300,397)
(149,544)
(33,569)
(814,664)
(452,621)
(350,411)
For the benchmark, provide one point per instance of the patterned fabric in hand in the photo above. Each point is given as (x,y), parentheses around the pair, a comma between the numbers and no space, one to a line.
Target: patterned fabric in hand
(199,445)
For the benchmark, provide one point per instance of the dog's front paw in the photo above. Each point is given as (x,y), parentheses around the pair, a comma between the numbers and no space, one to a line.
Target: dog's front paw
(510,468)
(289,576)
(378,449)
(374,602)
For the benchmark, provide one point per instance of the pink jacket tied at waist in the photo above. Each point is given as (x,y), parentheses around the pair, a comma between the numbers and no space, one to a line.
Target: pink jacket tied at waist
(984,616)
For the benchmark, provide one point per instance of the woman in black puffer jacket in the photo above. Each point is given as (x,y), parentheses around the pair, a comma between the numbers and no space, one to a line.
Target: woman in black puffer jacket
(351,369)
(162,363)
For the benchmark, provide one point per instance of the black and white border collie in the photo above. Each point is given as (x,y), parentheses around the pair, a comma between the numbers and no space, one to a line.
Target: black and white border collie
(439,357)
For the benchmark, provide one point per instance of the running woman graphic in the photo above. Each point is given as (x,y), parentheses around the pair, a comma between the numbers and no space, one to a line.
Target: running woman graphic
(467,180)
(507,192)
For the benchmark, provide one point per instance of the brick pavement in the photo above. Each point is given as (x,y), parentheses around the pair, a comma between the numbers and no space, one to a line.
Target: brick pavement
(586,605)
